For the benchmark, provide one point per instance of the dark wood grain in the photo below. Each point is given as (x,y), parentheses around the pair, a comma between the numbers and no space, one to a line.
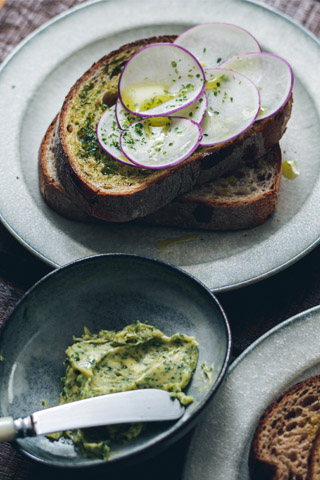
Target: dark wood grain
(251,311)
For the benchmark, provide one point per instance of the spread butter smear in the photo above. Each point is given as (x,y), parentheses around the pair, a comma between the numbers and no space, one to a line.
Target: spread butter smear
(139,356)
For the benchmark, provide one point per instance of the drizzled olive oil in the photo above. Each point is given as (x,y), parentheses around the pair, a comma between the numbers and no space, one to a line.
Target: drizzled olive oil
(170,242)
(159,122)
(290,169)
(162,124)
(142,97)
(212,84)
(215,82)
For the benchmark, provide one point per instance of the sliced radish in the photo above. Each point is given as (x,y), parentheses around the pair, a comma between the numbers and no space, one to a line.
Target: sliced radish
(196,111)
(212,43)
(272,75)
(233,105)
(160,79)
(108,135)
(125,118)
(160,142)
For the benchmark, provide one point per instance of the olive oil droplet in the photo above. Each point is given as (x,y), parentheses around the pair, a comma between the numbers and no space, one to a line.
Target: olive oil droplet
(290,169)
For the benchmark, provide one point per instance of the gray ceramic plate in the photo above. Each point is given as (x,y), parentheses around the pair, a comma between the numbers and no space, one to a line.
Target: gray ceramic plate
(279,359)
(106,292)
(34,81)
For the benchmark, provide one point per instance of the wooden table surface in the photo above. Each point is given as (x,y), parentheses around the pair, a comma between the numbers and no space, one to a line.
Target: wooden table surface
(251,310)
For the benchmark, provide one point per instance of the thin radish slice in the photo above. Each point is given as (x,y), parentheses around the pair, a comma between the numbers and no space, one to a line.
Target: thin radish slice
(108,135)
(196,111)
(160,79)
(233,105)
(160,142)
(272,75)
(125,118)
(212,43)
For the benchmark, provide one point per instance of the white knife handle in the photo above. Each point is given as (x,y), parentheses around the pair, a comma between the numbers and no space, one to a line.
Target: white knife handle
(11,429)
(7,429)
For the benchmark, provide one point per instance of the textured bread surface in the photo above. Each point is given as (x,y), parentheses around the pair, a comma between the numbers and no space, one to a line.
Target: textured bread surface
(244,198)
(241,199)
(107,189)
(51,189)
(282,443)
(314,458)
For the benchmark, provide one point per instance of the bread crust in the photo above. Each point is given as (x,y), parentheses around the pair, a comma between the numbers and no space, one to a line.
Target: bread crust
(314,459)
(217,213)
(51,189)
(165,185)
(191,210)
(283,440)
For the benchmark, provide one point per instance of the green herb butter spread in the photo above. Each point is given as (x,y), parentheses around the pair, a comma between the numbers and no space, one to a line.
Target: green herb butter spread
(85,108)
(139,356)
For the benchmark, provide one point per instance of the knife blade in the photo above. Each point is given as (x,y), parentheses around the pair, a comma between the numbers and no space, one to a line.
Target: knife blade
(147,405)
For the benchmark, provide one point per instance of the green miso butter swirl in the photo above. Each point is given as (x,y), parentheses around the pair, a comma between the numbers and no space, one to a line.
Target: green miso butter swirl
(139,356)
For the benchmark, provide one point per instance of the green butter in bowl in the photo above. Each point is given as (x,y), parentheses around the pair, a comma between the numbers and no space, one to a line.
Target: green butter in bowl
(136,357)
(43,340)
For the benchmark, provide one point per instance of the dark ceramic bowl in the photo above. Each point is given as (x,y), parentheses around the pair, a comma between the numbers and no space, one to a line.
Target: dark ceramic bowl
(106,292)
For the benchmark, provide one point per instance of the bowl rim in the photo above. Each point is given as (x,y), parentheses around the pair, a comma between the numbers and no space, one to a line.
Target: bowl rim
(153,446)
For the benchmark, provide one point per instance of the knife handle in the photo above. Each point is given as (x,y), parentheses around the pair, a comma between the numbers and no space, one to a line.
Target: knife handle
(7,429)
(11,429)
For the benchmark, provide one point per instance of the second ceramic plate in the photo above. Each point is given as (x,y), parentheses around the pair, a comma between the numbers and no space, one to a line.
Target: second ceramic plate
(279,359)
(57,54)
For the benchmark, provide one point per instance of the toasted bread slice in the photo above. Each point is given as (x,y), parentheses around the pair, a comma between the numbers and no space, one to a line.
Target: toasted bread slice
(51,189)
(284,437)
(107,189)
(314,458)
(242,199)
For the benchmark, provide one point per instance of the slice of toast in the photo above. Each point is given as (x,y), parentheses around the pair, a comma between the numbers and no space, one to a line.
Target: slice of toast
(51,189)
(107,189)
(244,198)
(241,199)
(314,457)
(283,440)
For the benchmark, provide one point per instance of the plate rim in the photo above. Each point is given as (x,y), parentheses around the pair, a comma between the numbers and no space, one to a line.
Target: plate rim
(233,369)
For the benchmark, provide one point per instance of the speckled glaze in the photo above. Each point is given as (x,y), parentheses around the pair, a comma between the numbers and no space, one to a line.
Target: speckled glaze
(221,260)
(106,292)
(282,357)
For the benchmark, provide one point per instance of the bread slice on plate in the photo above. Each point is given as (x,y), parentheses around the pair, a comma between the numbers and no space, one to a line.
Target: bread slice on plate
(314,458)
(112,191)
(242,199)
(51,189)
(284,438)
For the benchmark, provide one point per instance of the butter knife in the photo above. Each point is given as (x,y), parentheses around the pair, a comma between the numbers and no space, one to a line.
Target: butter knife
(147,405)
